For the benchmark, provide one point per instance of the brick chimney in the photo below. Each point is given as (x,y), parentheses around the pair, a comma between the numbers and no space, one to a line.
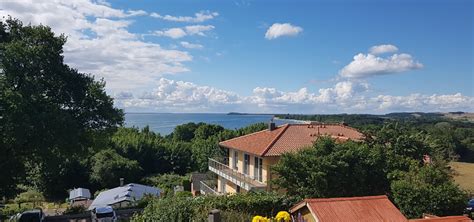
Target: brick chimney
(271,126)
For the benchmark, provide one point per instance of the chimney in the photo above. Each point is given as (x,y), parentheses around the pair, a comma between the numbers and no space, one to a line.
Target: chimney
(121,181)
(271,126)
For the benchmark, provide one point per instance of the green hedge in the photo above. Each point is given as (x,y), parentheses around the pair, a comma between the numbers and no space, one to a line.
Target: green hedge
(238,206)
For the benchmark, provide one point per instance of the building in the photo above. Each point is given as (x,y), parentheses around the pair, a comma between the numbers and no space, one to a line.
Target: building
(78,194)
(369,208)
(123,196)
(80,197)
(251,156)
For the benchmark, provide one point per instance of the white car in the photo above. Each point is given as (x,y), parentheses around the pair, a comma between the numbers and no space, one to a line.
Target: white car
(103,214)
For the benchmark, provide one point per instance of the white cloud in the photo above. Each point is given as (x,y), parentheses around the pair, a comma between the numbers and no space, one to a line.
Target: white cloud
(419,102)
(177,33)
(191,45)
(381,49)
(198,29)
(285,29)
(345,96)
(137,12)
(201,16)
(367,65)
(99,41)
(174,33)
(179,96)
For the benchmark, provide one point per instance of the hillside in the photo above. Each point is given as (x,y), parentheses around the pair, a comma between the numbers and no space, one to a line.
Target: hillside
(464,174)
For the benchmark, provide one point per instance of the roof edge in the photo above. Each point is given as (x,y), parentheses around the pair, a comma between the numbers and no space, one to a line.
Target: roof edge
(346,198)
(275,139)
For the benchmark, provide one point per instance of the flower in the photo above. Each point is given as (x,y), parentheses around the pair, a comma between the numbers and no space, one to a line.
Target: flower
(260,219)
(283,216)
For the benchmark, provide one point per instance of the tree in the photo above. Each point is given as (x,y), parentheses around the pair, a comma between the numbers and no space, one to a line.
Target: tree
(108,167)
(428,189)
(144,146)
(180,157)
(47,109)
(185,132)
(30,196)
(330,169)
(205,131)
(202,150)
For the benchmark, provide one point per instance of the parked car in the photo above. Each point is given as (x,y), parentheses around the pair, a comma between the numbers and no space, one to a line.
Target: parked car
(469,208)
(30,216)
(103,214)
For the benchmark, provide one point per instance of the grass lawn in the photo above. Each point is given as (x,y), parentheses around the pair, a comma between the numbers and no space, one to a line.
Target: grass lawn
(464,174)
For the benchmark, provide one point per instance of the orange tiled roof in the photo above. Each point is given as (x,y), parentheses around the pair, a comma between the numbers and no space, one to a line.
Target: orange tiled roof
(369,208)
(289,137)
(444,219)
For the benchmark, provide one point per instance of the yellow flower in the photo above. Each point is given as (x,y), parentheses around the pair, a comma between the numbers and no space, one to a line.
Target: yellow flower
(260,219)
(283,216)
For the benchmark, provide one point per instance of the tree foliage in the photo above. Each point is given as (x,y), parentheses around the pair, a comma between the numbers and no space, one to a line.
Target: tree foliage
(389,162)
(49,112)
(108,167)
(29,196)
(428,189)
(329,169)
(241,206)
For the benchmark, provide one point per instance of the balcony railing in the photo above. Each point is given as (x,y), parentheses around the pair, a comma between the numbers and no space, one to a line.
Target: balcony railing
(207,189)
(238,178)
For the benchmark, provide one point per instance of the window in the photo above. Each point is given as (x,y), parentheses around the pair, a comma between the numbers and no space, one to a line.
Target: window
(235,160)
(257,169)
(238,189)
(246,163)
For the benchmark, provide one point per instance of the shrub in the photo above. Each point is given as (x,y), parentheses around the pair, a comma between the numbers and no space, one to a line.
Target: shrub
(75,210)
(238,207)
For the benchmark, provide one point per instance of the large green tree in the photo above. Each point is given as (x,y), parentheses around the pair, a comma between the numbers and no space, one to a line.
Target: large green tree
(428,189)
(108,167)
(330,169)
(50,114)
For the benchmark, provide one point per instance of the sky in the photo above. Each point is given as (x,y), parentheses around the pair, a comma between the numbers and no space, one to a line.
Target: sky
(278,56)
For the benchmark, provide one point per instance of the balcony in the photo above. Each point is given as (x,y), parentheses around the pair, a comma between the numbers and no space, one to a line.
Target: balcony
(244,181)
(207,189)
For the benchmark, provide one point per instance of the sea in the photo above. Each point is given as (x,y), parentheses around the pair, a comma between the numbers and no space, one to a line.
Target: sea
(164,123)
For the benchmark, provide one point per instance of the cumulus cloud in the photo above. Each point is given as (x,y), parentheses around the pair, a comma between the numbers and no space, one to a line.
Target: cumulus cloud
(177,33)
(201,16)
(381,49)
(367,65)
(174,33)
(282,29)
(179,96)
(191,45)
(419,102)
(98,36)
(344,96)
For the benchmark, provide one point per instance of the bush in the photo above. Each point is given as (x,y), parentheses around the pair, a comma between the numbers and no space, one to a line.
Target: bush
(75,210)
(428,189)
(30,196)
(166,182)
(239,206)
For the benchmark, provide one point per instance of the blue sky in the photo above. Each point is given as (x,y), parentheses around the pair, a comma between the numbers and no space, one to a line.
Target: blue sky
(269,56)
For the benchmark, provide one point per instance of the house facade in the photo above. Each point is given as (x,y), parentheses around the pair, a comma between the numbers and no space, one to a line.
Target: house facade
(251,157)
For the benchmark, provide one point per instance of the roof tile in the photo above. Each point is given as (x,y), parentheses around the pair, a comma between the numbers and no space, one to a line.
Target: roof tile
(369,208)
(289,137)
